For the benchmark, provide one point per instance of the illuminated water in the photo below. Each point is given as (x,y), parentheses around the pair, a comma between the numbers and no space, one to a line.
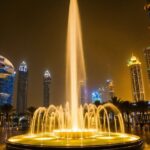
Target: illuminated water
(75,67)
(52,126)
(56,119)
(51,141)
(75,124)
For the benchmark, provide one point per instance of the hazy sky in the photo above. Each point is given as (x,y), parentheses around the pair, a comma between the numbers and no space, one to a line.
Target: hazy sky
(35,31)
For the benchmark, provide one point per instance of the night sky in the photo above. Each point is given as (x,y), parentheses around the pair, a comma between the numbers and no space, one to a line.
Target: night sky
(35,31)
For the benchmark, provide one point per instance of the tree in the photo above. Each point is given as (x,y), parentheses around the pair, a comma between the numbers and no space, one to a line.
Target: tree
(142,106)
(97,103)
(126,109)
(116,101)
(6,109)
(31,110)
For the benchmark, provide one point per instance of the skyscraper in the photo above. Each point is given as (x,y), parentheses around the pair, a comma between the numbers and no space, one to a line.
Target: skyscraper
(96,96)
(22,88)
(147,60)
(136,79)
(7,76)
(107,91)
(110,88)
(46,88)
(104,94)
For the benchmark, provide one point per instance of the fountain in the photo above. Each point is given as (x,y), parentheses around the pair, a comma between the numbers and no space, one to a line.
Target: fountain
(76,126)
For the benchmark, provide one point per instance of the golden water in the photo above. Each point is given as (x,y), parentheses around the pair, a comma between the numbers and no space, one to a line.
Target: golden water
(92,120)
(75,67)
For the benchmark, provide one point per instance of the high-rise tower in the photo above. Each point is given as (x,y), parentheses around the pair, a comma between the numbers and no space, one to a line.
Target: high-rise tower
(7,76)
(110,88)
(46,88)
(22,88)
(107,91)
(136,79)
(147,60)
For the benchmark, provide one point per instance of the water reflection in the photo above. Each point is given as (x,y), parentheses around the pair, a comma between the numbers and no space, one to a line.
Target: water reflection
(144,133)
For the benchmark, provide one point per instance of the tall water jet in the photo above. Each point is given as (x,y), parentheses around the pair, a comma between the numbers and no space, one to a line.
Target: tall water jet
(75,65)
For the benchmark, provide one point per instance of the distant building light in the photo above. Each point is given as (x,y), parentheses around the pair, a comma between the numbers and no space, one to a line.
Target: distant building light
(134,104)
(96,96)
(47,74)
(108,80)
(23,67)
(133,61)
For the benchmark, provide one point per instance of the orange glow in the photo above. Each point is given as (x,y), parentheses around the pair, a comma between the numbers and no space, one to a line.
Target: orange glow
(75,62)
(134,61)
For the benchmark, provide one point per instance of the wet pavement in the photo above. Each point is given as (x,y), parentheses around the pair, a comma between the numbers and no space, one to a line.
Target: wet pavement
(5,134)
(143,133)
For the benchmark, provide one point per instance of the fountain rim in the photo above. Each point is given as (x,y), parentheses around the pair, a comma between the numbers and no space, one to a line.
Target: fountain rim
(136,143)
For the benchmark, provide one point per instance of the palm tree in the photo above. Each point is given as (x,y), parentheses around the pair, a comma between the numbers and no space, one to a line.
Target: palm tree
(6,109)
(126,109)
(97,103)
(124,106)
(116,101)
(31,110)
(142,106)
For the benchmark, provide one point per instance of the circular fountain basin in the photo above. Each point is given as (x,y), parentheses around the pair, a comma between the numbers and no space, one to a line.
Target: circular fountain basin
(75,133)
(58,140)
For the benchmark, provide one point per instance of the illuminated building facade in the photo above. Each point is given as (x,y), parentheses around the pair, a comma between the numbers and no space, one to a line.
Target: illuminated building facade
(107,92)
(110,89)
(136,79)
(46,88)
(147,60)
(96,96)
(22,88)
(7,77)
(104,94)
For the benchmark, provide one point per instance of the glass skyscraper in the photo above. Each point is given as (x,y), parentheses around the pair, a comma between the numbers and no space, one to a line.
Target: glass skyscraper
(136,79)
(22,88)
(147,60)
(107,91)
(46,88)
(7,77)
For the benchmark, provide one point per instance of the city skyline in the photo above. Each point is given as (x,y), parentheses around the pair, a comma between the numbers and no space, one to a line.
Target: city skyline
(109,28)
